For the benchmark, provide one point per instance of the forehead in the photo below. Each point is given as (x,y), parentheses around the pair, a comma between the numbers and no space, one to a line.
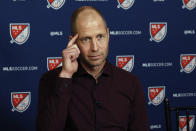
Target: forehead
(90,21)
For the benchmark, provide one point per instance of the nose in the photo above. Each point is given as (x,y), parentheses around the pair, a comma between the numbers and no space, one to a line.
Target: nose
(94,46)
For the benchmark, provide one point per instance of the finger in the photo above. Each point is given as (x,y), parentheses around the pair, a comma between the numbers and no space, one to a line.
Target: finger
(70,56)
(72,41)
(78,50)
(73,56)
(71,53)
(74,47)
(75,53)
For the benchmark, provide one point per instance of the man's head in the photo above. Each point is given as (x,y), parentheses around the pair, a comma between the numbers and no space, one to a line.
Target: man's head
(93,35)
(76,14)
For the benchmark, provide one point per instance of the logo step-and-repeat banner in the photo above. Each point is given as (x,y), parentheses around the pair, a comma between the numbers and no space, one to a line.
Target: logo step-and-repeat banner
(154,39)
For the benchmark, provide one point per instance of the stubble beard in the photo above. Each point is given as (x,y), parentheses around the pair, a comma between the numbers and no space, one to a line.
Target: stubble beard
(93,64)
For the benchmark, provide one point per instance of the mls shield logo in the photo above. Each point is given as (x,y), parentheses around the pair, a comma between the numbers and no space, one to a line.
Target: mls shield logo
(20,101)
(189,4)
(54,62)
(125,62)
(187,62)
(125,4)
(19,32)
(55,4)
(183,123)
(158,31)
(156,95)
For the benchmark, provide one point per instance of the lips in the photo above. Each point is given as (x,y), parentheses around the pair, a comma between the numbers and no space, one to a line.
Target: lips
(94,57)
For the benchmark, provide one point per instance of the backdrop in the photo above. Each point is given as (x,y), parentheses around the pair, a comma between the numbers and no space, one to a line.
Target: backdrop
(153,39)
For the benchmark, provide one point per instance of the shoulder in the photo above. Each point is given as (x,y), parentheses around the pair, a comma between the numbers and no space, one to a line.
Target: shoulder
(122,74)
(49,79)
(125,81)
(50,75)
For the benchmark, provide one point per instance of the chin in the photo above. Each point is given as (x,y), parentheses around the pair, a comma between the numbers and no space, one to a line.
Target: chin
(95,63)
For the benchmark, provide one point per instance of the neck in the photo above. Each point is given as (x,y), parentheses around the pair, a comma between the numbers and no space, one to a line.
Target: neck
(95,71)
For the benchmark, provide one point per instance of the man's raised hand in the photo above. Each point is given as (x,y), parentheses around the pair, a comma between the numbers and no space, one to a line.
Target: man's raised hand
(70,55)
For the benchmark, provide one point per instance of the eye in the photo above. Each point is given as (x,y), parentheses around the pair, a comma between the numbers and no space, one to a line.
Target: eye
(100,36)
(85,39)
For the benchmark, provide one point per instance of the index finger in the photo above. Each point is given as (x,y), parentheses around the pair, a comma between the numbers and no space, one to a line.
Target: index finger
(72,41)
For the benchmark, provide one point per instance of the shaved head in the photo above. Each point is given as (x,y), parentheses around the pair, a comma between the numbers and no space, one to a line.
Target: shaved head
(82,14)
(93,36)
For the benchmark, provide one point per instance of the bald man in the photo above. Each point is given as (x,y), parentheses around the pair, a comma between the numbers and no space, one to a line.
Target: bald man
(88,93)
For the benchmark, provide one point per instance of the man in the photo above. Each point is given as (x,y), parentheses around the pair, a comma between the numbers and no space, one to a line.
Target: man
(88,93)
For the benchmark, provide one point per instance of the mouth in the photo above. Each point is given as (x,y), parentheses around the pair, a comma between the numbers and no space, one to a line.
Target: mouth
(95,57)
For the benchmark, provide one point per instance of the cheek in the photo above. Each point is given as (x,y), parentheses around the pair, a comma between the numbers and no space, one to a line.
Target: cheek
(83,50)
(104,46)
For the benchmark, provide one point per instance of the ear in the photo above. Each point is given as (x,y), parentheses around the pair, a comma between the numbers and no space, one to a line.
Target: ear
(108,32)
